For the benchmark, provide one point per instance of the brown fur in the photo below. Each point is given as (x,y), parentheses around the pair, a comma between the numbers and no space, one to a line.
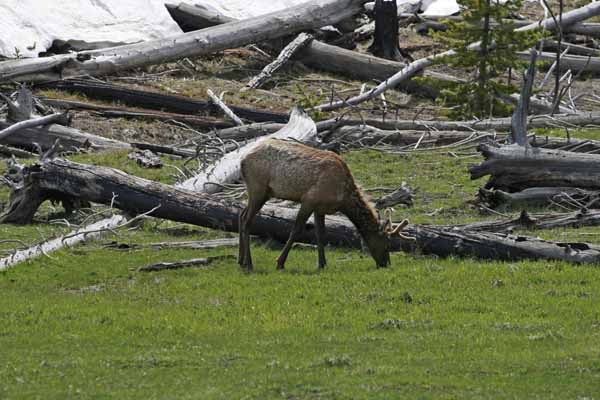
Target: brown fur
(319,180)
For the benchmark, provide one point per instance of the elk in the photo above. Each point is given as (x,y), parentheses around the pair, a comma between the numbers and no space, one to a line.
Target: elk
(323,184)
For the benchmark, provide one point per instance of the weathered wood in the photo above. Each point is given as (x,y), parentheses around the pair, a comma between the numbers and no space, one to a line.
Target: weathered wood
(539,196)
(192,18)
(573,62)
(165,266)
(312,14)
(226,110)
(385,41)
(145,115)
(514,168)
(581,119)
(88,232)
(154,100)
(13,151)
(136,195)
(227,170)
(145,159)
(417,66)
(326,57)
(573,219)
(574,49)
(32,123)
(156,148)
(519,117)
(69,138)
(284,56)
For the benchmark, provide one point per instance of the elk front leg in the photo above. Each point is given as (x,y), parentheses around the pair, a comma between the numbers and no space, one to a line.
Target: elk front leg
(320,232)
(246,218)
(301,219)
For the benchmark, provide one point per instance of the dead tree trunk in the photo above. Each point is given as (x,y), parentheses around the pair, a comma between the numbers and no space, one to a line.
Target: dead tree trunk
(514,168)
(385,41)
(227,170)
(312,14)
(70,139)
(155,101)
(103,185)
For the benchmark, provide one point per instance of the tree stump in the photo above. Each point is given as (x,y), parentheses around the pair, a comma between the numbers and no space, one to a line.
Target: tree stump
(385,40)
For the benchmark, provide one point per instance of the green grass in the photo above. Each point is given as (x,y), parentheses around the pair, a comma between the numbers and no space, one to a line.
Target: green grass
(83,323)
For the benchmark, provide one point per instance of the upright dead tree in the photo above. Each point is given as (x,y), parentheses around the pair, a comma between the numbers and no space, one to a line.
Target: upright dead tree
(385,41)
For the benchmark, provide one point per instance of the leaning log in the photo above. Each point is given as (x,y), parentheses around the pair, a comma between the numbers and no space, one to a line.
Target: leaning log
(514,168)
(312,14)
(227,170)
(136,195)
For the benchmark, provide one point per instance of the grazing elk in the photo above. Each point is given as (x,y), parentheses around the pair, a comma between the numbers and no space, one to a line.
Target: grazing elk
(323,184)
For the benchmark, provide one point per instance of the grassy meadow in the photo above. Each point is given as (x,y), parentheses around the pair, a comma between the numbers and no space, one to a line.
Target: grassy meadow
(83,323)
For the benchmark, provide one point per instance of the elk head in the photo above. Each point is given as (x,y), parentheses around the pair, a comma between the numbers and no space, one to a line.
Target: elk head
(379,245)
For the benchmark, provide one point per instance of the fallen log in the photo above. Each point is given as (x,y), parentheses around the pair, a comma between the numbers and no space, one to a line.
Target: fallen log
(329,58)
(581,119)
(153,100)
(312,14)
(69,138)
(417,66)
(573,62)
(31,123)
(129,113)
(166,266)
(89,232)
(527,221)
(156,148)
(227,170)
(514,168)
(136,195)
(540,196)
(226,110)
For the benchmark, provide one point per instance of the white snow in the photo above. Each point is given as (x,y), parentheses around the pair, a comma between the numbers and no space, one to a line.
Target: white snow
(28,23)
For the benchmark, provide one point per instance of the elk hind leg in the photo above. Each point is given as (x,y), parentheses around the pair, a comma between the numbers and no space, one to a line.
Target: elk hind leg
(320,232)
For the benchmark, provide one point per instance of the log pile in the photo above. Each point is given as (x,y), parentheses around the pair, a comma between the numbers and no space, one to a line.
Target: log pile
(524,168)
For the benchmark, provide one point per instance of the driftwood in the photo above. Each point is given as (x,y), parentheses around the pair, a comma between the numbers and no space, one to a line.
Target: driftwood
(135,195)
(73,238)
(402,195)
(197,245)
(227,170)
(284,56)
(164,266)
(514,168)
(313,14)
(153,100)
